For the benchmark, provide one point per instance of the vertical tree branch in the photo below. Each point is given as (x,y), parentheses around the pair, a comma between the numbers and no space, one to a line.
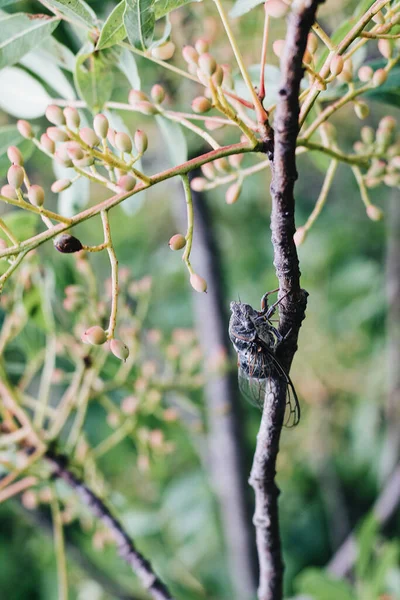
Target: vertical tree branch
(292,309)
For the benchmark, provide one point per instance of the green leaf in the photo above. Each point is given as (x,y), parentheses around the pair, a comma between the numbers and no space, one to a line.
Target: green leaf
(37,61)
(174,139)
(58,54)
(163,7)
(366,541)
(22,95)
(77,10)
(362,8)
(113,30)
(127,65)
(19,33)
(94,77)
(10,136)
(5,2)
(22,223)
(241,7)
(165,36)
(319,586)
(139,22)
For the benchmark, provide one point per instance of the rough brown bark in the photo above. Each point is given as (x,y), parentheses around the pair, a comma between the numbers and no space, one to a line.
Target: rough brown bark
(281,151)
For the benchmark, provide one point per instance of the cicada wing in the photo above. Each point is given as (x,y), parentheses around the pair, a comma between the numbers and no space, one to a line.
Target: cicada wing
(253,389)
(292,414)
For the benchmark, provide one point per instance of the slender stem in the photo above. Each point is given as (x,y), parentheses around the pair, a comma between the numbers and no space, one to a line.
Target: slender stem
(264,47)
(17,487)
(190,222)
(324,37)
(361,160)
(330,174)
(186,123)
(363,189)
(114,273)
(14,265)
(8,233)
(39,211)
(59,545)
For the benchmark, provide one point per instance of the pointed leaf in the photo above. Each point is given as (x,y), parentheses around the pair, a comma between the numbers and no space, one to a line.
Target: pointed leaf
(163,7)
(139,22)
(174,139)
(241,7)
(19,33)
(77,10)
(94,77)
(37,61)
(22,96)
(127,65)
(58,54)
(113,30)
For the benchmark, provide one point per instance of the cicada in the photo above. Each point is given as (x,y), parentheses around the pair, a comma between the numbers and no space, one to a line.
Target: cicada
(256,340)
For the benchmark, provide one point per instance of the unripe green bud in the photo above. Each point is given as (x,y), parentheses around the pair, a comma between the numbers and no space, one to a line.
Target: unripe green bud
(89,137)
(222,165)
(119,349)
(157,93)
(94,335)
(359,147)
(276,8)
(60,185)
(15,176)
(36,195)
(208,171)
(57,135)
(336,65)
(190,55)
(141,141)
(126,183)
(136,96)
(361,109)
(198,184)
(198,283)
(233,193)
(100,125)
(9,192)
(72,117)
(365,73)
(25,129)
(374,213)
(47,143)
(218,76)
(62,157)
(372,182)
(300,235)
(201,46)
(278,47)
(207,64)
(15,156)
(377,168)
(368,135)
(164,52)
(388,123)
(74,151)
(379,77)
(177,242)
(201,105)
(123,142)
(146,108)
(392,179)
(55,115)
(67,244)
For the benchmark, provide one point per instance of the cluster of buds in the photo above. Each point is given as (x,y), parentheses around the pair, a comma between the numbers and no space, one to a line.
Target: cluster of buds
(18,181)
(219,172)
(144,104)
(385,167)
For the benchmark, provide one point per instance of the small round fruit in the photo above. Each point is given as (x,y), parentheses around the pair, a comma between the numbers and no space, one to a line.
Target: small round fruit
(119,349)
(198,283)
(201,104)
(177,242)
(141,141)
(233,193)
(100,125)
(55,115)
(15,156)
(126,183)
(123,142)
(95,335)
(89,137)
(72,117)
(36,195)
(164,52)
(15,176)
(67,244)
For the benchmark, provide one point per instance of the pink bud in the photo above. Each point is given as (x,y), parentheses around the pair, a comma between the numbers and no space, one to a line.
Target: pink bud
(100,125)
(25,129)
(198,184)
(119,349)
(300,235)
(47,143)
(157,93)
(126,183)
(55,115)
(123,142)
(177,242)
(374,213)
(89,137)
(36,195)
(190,55)
(233,193)
(15,176)
(164,52)
(60,185)
(74,151)
(207,63)
(198,283)
(141,141)
(9,192)
(136,96)
(201,104)
(57,135)
(202,46)
(94,335)
(15,156)
(72,117)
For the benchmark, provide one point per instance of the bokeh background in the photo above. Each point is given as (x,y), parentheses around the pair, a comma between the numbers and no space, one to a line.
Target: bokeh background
(334,465)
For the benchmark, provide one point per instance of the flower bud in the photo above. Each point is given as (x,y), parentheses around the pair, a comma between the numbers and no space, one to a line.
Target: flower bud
(365,73)
(336,64)
(157,93)
(312,43)
(60,185)
(202,77)
(392,179)
(222,165)
(25,129)
(190,55)
(141,141)
(395,163)
(276,8)
(233,193)
(100,125)
(57,135)
(74,151)
(361,109)
(47,143)
(67,244)
(55,115)
(235,160)
(36,195)
(15,156)
(300,235)
(377,168)
(218,76)
(111,136)
(385,48)
(9,192)
(207,64)
(368,135)
(374,213)
(86,161)
(146,108)
(126,183)
(198,283)
(379,77)
(388,123)
(15,176)
(94,335)
(62,157)
(201,46)
(164,52)
(208,171)
(198,184)
(278,47)
(72,117)
(89,137)
(201,105)
(177,242)
(123,142)
(119,349)
(136,96)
